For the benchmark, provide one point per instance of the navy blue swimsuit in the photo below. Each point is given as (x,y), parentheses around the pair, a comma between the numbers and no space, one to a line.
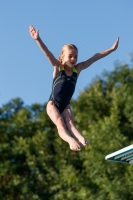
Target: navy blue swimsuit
(63,88)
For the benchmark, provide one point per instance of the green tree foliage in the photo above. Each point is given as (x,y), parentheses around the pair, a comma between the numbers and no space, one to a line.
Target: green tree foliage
(36,164)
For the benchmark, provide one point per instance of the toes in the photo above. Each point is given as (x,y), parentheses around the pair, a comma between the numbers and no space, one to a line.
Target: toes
(85,142)
(76,148)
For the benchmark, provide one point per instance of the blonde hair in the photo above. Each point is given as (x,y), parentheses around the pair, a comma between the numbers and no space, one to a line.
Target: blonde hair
(67,46)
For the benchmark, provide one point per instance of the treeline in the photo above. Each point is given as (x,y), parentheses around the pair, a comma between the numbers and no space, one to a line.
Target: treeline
(35,164)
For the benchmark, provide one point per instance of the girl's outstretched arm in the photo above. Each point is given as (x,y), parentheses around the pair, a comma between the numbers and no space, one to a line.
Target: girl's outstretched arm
(97,56)
(35,35)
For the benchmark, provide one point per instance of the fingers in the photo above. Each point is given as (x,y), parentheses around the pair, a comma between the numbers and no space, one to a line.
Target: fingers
(117,42)
(37,32)
(118,39)
(31,28)
(32,31)
(115,45)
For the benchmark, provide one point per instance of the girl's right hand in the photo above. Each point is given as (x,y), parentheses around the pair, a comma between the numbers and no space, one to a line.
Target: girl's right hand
(34,33)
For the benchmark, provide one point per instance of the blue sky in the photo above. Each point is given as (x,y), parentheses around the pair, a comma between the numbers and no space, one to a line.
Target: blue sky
(92,25)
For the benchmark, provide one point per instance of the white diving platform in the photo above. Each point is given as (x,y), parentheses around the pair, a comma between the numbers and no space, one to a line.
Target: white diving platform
(124,155)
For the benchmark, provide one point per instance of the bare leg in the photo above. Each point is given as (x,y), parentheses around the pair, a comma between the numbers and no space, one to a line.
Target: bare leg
(69,121)
(57,119)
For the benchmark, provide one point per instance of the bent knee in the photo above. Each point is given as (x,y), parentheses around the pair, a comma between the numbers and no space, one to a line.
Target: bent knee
(69,122)
(60,123)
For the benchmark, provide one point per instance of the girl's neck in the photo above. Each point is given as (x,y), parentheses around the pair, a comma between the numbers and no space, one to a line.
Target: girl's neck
(68,70)
(67,67)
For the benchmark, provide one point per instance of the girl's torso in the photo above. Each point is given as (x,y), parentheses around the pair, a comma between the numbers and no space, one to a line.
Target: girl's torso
(63,87)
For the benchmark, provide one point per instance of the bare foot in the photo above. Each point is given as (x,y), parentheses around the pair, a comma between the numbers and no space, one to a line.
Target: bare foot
(83,141)
(74,145)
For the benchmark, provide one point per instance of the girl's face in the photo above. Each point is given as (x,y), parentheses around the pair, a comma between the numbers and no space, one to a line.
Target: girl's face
(69,57)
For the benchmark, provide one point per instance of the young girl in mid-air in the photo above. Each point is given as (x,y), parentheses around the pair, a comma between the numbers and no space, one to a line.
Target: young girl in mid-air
(65,74)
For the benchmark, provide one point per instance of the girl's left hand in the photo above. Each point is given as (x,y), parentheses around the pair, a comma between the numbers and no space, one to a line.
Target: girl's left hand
(115,45)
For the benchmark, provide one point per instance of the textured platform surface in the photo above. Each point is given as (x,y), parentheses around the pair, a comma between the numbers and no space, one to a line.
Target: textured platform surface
(124,155)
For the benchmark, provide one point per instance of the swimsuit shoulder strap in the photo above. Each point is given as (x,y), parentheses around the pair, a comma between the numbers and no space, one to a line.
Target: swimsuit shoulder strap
(62,68)
(73,69)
